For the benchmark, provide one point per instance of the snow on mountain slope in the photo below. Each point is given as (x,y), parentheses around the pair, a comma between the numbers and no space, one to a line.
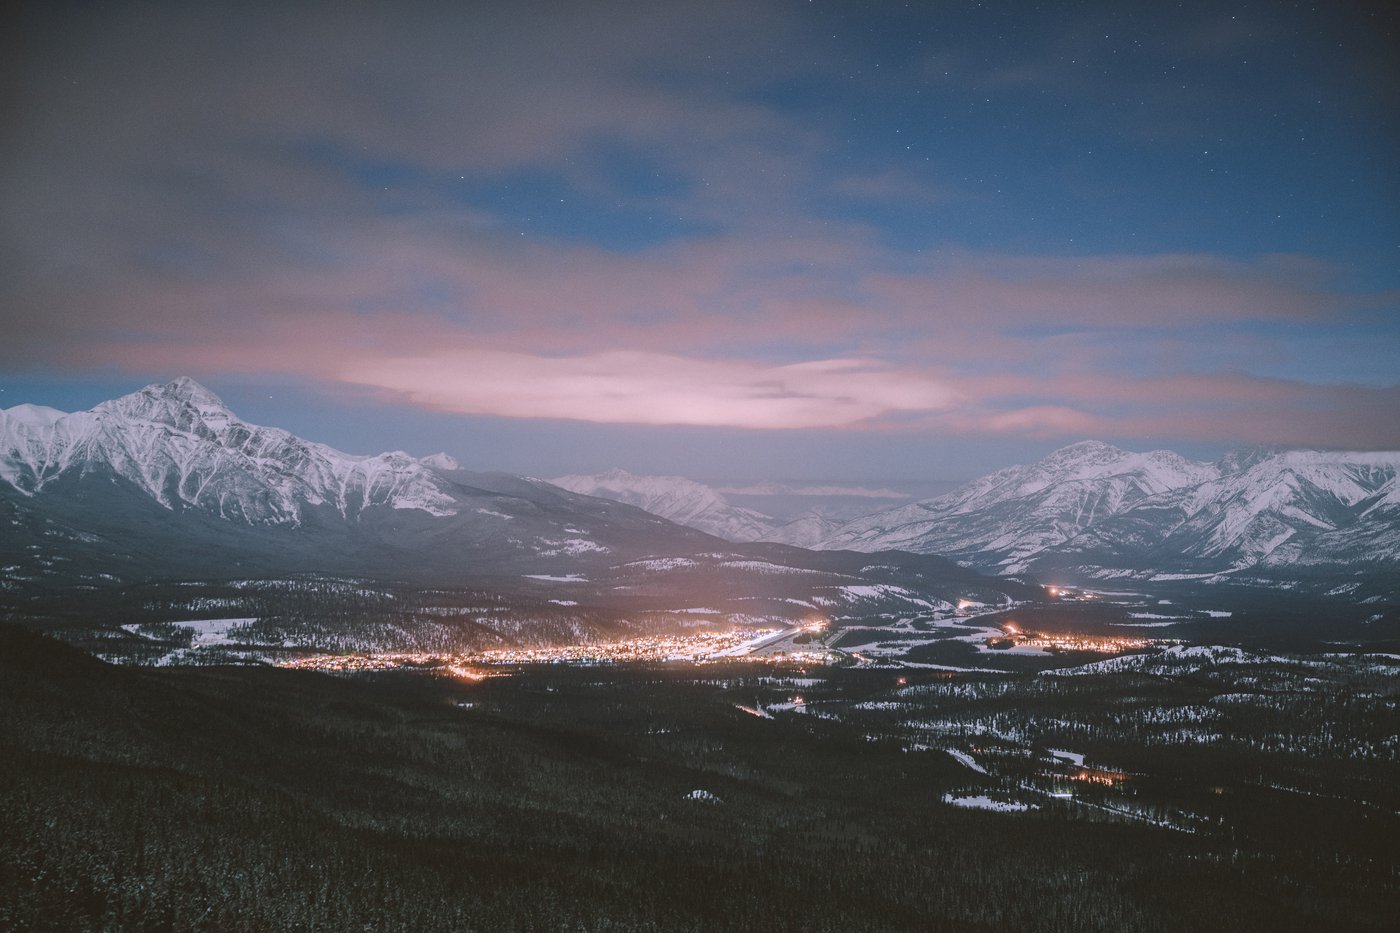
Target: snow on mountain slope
(1085,462)
(802,515)
(1296,507)
(1008,517)
(1097,508)
(676,499)
(1094,509)
(807,530)
(182,446)
(167,482)
(29,417)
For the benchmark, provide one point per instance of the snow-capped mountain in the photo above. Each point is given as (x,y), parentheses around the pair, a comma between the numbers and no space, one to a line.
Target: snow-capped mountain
(676,499)
(1008,517)
(796,514)
(1294,509)
(1099,510)
(168,478)
(1094,510)
(181,445)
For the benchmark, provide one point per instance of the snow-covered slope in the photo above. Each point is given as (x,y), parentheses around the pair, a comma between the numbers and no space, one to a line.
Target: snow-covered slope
(1102,510)
(166,477)
(809,529)
(181,445)
(676,499)
(1094,510)
(1008,517)
(802,515)
(1295,508)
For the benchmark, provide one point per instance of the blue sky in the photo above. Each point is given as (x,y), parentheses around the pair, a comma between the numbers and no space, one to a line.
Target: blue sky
(736,241)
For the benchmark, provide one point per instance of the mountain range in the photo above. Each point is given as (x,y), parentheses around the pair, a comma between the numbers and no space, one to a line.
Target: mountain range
(169,480)
(167,485)
(812,516)
(1094,511)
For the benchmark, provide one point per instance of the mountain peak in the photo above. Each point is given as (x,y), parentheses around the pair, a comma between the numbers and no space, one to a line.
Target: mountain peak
(1237,461)
(185,389)
(441,461)
(179,443)
(1086,449)
(182,404)
(181,393)
(34,416)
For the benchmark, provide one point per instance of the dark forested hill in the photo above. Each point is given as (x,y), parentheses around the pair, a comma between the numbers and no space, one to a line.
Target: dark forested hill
(261,799)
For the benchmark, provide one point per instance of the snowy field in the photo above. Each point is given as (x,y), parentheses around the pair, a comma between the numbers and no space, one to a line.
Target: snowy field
(980,802)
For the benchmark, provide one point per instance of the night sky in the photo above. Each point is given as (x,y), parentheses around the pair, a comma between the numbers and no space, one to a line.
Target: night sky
(783,240)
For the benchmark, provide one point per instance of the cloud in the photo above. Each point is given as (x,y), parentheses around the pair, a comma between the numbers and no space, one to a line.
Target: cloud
(651,388)
(1042,421)
(1226,408)
(975,344)
(242,189)
(1124,291)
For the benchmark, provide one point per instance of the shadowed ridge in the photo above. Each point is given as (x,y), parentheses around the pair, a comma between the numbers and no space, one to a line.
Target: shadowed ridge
(24,651)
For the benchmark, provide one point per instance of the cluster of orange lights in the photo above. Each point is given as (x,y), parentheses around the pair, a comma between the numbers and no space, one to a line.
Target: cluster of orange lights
(698,648)
(1058,592)
(1069,641)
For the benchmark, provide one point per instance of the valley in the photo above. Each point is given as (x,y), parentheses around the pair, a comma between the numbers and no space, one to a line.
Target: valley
(249,682)
(723,795)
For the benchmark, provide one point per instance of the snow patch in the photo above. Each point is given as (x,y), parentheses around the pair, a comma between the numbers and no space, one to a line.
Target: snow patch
(967,760)
(982,802)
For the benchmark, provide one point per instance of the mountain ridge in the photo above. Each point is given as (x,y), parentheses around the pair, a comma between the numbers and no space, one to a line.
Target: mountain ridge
(178,440)
(1092,510)
(166,487)
(1102,511)
(676,499)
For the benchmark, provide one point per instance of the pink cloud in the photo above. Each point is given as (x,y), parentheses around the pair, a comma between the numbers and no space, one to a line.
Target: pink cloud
(1043,421)
(650,388)
(551,330)
(1226,408)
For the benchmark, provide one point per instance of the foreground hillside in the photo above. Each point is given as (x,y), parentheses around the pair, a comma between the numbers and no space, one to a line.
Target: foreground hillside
(628,799)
